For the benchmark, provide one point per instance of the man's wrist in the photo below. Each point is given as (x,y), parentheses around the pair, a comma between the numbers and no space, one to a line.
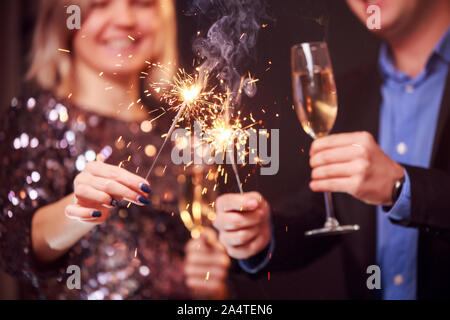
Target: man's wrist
(398,180)
(397,189)
(259,261)
(401,209)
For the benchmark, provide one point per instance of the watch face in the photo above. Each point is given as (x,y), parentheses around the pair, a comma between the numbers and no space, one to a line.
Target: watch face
(397,189)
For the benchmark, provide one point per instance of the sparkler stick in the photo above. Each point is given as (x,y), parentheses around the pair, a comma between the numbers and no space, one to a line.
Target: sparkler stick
(169,134)
(236,174)
(227,125)
(185,89)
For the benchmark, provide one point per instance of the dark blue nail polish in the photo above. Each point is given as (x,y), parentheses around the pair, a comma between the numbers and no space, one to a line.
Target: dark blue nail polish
(145,188)
(114,202)
(96,214)
(143,200)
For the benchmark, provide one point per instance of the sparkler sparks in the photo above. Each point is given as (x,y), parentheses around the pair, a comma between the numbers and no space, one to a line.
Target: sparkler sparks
(186,91)
(185,94)
(225,134)
(188,95)
(191,93)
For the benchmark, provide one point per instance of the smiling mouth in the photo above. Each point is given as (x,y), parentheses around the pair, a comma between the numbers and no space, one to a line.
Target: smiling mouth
(121,45)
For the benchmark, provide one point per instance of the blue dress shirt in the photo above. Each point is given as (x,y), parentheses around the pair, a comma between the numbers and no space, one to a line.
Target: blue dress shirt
(408,119)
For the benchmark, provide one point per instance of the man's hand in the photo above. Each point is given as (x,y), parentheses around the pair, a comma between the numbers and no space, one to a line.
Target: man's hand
(206,266)
(243,222)
(353,163)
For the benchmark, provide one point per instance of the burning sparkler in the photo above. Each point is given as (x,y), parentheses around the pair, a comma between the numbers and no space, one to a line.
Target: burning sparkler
(222,135)
(225,130)
(187,95)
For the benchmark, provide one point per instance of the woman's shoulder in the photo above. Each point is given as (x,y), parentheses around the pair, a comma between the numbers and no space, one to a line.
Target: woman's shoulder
(38,115)
(41,104)
(26,107)
(37,163)
(33,137)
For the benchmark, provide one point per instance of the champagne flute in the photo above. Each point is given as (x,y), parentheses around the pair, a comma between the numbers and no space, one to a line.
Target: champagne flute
(316,104)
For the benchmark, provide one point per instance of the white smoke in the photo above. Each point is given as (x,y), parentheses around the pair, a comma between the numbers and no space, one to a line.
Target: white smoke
(230,40)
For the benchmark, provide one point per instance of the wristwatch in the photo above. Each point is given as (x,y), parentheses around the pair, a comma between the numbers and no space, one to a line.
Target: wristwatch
(397,189)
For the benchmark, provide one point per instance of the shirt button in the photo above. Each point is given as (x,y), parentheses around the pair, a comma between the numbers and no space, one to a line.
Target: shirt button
(398,279)
(402,148)
(409,88)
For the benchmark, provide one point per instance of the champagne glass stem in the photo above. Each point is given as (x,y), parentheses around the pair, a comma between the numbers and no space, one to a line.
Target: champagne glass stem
(331,219)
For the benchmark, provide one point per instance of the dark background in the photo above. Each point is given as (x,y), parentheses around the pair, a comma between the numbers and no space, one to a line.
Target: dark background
(294,21)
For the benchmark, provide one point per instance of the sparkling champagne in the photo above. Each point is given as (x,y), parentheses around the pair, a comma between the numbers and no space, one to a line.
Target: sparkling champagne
(315,101)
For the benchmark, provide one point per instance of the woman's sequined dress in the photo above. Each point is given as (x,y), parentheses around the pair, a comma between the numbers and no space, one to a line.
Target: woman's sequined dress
(138,252)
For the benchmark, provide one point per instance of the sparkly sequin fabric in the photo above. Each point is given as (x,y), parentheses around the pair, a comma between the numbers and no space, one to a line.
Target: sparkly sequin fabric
(138,252)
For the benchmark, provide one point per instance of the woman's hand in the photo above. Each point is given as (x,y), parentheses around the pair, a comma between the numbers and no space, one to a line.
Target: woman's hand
(100,186)
(206,266)
(97,189)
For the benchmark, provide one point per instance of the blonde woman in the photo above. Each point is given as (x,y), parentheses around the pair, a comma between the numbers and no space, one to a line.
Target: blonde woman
(64,201)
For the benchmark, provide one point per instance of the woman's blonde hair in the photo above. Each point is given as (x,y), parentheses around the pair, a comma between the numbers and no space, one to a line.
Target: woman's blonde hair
(51,68)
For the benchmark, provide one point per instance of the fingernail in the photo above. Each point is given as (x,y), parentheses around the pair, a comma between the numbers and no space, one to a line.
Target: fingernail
(114,202)
(96,214)
(143,200)
(252,203)
(146,188)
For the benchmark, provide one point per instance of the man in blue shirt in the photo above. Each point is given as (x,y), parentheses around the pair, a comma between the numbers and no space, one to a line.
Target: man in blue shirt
(392,155)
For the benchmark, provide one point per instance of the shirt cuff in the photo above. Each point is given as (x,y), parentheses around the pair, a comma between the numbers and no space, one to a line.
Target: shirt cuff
(259,261)
(401,211)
